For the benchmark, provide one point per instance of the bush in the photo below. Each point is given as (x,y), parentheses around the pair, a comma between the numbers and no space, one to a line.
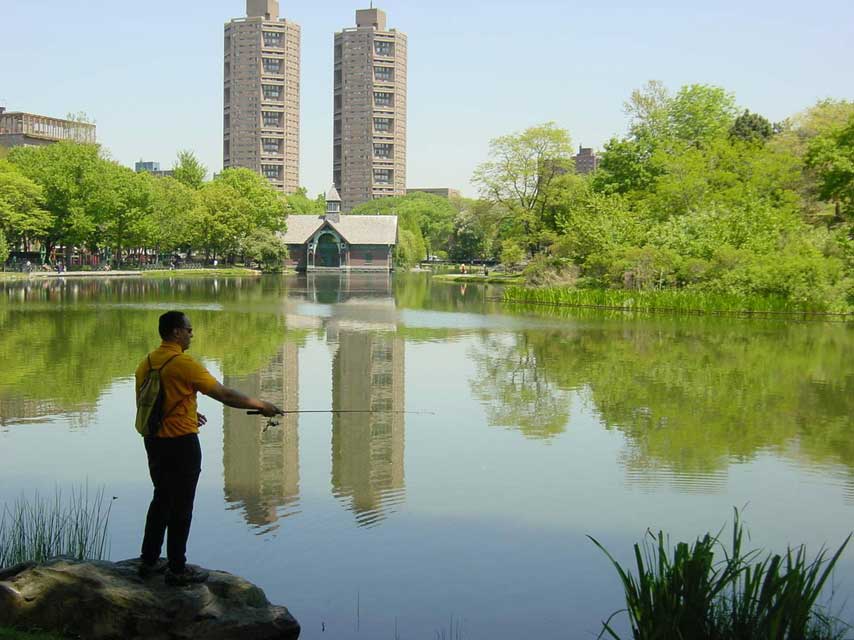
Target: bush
(545,270)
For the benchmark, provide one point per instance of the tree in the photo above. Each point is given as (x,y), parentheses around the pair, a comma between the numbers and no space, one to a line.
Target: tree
(832,156)
(22,215)
(751,127)
(299,203)
(700,113)
(519,175)
(174,212)
(4,248)
(261,205)
(266,248)
(69,173)
(188,170)
(124,205)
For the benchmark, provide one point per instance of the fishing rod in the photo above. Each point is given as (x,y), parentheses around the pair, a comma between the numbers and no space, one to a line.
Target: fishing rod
(288,411)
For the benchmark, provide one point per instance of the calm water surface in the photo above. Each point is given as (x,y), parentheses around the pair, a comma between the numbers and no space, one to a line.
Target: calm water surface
(542,428)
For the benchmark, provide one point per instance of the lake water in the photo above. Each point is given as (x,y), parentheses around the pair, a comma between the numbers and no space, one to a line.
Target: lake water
(468,517)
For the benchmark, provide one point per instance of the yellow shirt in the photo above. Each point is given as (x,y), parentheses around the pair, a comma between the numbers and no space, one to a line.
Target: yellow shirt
(182,378)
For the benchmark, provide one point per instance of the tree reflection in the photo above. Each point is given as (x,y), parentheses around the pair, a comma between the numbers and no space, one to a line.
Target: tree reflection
(516,387)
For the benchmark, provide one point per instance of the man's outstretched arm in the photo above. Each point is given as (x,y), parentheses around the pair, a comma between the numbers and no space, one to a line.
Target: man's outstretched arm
(234,398)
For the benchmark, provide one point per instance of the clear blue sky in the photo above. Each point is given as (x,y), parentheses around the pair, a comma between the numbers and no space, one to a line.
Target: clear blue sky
(150,73)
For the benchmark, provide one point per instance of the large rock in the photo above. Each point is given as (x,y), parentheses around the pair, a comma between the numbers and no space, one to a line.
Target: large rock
(106,601)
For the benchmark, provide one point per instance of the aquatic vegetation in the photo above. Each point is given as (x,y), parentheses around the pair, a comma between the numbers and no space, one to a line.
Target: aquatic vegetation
(670,300)
(684,592)
(35,529)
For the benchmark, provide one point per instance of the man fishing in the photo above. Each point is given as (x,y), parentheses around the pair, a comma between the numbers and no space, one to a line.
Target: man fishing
(174,454)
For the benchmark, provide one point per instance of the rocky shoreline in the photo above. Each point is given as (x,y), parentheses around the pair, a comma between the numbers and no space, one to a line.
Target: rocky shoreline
(101,600)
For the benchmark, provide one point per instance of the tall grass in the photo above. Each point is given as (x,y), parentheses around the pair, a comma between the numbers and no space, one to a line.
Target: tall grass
(40,528)
(687,594)
(672,300)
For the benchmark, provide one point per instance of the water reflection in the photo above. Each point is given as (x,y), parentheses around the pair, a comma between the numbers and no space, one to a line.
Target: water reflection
(367,448)
(261,463)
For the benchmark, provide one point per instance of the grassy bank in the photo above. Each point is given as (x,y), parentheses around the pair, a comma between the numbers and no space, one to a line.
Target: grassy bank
(12,275)
(666,300)
(469,278)
(227,272)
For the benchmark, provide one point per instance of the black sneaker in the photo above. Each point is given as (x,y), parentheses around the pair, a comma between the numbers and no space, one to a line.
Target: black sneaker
(190,575)
(146,570)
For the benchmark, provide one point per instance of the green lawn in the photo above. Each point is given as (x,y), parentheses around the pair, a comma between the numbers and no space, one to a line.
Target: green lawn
(473,277)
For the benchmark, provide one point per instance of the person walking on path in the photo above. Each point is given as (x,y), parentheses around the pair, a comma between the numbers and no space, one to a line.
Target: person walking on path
(174,454)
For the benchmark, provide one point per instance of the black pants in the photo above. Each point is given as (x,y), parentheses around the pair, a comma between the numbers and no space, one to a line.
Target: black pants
(174,465)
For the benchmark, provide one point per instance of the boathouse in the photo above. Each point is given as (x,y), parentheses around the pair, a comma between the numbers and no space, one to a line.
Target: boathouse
(334,241)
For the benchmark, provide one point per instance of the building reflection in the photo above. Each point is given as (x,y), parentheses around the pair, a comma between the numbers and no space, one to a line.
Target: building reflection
(359,324)
(367,448)
(261,463)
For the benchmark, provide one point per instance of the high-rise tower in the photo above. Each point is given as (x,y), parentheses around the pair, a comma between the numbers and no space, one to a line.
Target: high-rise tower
(369,126)
(261,94)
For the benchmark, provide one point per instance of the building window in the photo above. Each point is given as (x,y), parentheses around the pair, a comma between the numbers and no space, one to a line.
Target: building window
(383,176)
(336,129)
(383,99)
(383,48)
(273,39)
(384,125)
(383,150)
(272,119)
(226,149)
(226,95)
(272,65)
(226,121)
(384,74)
(272,91)
(381,379)
(337,75)
(272,171)
(337,103)
(272,145)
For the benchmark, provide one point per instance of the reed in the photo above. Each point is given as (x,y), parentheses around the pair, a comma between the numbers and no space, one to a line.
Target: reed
(671,300)
(33,530)
(685,593)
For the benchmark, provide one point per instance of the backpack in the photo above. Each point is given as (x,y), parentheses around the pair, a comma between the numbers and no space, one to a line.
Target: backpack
(149,401)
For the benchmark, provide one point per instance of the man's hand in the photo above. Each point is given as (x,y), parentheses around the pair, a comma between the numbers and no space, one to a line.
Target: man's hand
(202,420)
(268,409)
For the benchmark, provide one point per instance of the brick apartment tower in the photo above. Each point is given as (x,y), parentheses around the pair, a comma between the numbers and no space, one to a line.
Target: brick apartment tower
(369,125)
(261,94)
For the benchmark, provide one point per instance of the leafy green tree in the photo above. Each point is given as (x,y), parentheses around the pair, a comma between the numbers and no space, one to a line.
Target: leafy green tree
(22,215)
(266,248)
(751,127)
(411,247)
(701,113)
(123,207)
(70,175)
(519,176)
(511,254)
(174,212)
(260,204)
(832,156)
(299,203)
(4,248)
(188,170)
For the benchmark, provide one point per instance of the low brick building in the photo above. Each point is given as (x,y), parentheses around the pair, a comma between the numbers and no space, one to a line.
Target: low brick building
(337,241)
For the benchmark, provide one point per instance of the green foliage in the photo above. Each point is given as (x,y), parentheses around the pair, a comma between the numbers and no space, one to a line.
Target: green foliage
(266,248)
(37,529)
(416,213)
(751,127)
(684,593)
(831,154)
(22,215)
(4,248)
(519,175)
(511,254)
(188,170)
(299,203)
(17,634)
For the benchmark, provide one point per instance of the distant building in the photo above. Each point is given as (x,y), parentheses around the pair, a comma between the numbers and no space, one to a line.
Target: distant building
(18,128)
(261,94)
(442,192)
(369,110)
(153,168)
(340,242)
(586,161)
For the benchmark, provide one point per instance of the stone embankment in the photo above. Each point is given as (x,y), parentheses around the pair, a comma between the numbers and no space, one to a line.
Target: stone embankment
(109,601)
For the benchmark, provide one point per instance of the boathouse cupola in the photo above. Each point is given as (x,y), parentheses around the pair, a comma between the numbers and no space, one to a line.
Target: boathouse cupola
(333,204)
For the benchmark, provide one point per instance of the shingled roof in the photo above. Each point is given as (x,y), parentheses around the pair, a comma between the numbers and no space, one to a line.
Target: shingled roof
(354,229)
